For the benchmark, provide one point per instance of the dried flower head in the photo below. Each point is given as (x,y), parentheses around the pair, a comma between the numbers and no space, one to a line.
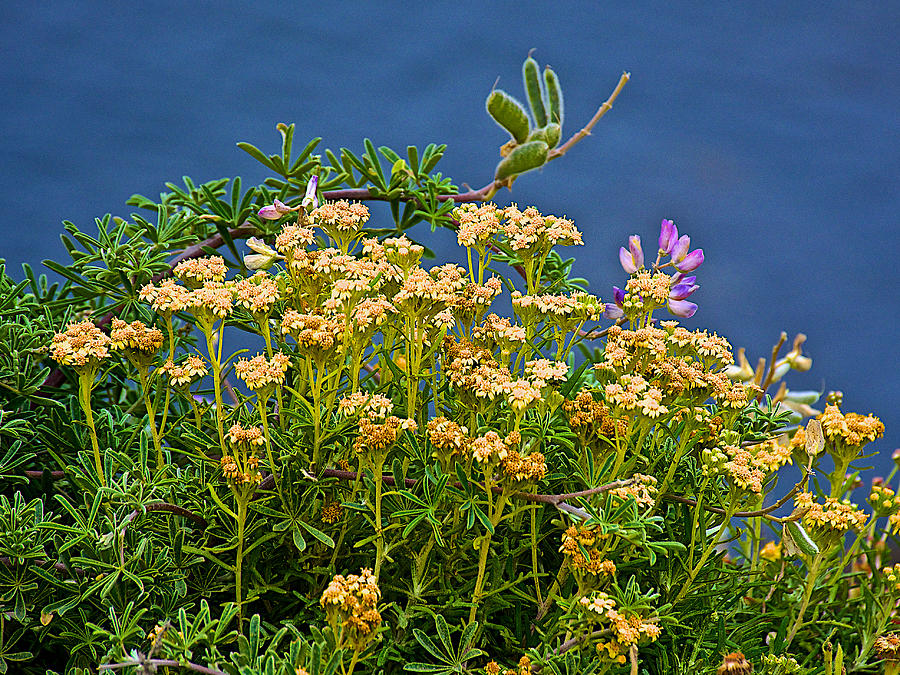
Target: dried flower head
(351,603)
(734,663)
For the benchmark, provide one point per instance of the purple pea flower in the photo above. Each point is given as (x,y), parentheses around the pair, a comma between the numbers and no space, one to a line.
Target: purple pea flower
(632,258)
(269,212)
(682,308)
(311,196)
(616,310)
(281,207)
(680,248)
(691,261)
(682,288)
(668,236)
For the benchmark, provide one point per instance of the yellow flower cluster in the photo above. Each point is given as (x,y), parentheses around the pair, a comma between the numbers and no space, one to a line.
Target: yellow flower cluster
(852,429)
(248,474)
(134,336)
(834,515)
(532,232)
(628,628)
(892,577)
(379,436)
(524,469)
(340,216)
(373,406)
(82,346)
(477,224)
(186,372)
(197,271)
(449,439)
(883,500)
(351,606)
(258,294)
(260,373)
(166,299)
(332,512)
(590,417)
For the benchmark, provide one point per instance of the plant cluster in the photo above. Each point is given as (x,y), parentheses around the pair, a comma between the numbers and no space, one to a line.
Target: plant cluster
(324,456)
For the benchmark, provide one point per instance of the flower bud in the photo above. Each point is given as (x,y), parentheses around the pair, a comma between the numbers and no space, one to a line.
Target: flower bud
(269,213)
(896,456)
(613,311)
(682,308)
(692,261)
(681,247)
(632,258)
(801,363)
(668,237)
(264,257)
(281,207)
(682,291)
(311,198)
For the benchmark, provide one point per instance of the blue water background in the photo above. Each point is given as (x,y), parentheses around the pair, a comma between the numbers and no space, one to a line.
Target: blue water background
(767,130)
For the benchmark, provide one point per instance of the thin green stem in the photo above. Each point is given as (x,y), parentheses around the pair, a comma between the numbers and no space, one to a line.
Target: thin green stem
(151,413)
(729,512)
(86,383)
(807,595)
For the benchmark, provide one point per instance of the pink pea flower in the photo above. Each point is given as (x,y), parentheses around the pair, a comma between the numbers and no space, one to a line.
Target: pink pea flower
(682,308)
(311,196)
(691,261)
(269,212)
(632,258)
(668,236)
(616,310)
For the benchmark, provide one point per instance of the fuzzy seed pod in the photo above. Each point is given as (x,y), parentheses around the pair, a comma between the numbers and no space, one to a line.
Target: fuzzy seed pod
(549,134)
(554,96)
(523,158)
(509,114)
(531,76)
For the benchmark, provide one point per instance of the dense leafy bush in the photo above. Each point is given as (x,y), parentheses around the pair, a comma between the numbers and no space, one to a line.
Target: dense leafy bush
(387,475)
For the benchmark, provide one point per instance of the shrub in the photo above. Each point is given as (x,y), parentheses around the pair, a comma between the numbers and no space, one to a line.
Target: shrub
(387,474)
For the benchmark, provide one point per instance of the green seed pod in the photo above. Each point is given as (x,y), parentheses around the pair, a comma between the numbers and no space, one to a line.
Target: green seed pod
(795,538)
(524,158)
(549,134)
(509,114)
(531,76)
(554,131)
(554,96)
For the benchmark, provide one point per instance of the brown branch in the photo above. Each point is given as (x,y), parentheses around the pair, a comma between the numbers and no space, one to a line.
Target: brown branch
(559,501)
(165,507)
(595,334)
(586,131)
(571,644)
(58,566)
(770,375)
(739,514)
(141,661)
